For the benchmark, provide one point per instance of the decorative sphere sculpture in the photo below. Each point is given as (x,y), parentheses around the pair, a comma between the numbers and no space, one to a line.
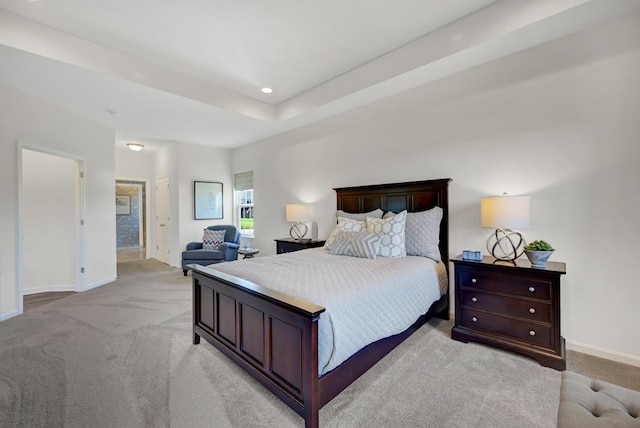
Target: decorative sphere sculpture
(505,244)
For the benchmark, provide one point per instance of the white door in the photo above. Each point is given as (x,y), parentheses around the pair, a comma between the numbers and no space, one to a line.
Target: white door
(163,225)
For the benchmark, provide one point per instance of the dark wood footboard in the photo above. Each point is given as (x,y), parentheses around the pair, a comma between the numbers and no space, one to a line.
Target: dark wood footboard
(272,336)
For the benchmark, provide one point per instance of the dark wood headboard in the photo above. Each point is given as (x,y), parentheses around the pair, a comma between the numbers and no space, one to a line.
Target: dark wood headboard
(412,196)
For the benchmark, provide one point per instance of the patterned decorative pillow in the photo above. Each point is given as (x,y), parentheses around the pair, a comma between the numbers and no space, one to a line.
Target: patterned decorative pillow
(356,244)
(344,225)
(212,239)
(391,231)
(377,213)
(422,233)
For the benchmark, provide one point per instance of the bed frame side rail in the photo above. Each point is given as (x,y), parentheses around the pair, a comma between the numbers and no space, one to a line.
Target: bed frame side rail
(270,335)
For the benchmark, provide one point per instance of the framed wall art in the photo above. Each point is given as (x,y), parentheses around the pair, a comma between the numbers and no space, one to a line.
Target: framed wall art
(123,205)
(207,200)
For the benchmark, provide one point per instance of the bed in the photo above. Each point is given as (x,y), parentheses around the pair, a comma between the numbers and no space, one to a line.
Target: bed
(275,336)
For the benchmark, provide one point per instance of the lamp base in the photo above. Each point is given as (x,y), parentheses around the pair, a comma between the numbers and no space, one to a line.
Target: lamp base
(298,230)
(505,244)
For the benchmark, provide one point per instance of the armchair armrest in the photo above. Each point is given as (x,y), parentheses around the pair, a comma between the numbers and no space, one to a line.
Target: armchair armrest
(194,246)
(230,245)
(230,250)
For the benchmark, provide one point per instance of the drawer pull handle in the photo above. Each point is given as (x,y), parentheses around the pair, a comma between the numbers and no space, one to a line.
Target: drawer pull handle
(474,319)
(532,289)
(473,280)
(532,311)
(532,333)
(474,299)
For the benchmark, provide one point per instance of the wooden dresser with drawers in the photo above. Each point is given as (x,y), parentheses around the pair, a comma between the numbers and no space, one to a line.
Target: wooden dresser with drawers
(512,306)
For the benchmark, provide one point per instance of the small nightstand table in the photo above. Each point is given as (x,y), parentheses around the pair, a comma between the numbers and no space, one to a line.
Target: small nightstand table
(248,253)
(510,306)
(288,245)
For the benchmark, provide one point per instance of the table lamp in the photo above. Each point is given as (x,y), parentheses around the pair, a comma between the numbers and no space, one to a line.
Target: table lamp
(505,213)
(298,214)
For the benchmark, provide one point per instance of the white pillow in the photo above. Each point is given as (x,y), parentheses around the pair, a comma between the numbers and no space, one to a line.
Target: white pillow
(422,233)
(377,213)
(356,244)
(344,225)
(212,239)
(391,232)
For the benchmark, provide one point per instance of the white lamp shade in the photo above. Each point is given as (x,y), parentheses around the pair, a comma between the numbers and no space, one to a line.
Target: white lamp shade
(298,213)
(506,212)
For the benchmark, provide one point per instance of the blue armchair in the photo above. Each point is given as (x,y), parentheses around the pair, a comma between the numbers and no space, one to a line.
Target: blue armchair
(195,254)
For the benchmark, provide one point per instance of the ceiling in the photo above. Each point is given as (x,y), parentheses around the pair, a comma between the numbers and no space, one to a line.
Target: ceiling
(191,71)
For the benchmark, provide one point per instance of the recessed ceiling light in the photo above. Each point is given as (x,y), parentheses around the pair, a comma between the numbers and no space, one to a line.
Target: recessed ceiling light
(136,147)
(267,90)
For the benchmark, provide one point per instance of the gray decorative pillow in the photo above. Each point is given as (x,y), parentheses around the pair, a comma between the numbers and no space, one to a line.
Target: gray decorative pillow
(391,232)
(377,213)
(212,239)
(344,225)
(356,244)
(422,233)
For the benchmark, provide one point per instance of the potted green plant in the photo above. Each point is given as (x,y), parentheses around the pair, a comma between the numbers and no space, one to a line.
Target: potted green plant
(538,252)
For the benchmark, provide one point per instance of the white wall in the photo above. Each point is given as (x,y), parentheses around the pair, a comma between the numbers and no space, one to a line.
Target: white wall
(201,163)
(32,121)
(558,122)
(130,165)
(49,222)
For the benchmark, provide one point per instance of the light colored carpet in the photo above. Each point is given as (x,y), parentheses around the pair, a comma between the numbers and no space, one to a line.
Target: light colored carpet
(121,356)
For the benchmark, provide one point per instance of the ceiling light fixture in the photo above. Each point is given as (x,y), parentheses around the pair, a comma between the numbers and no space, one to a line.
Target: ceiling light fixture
(136,147)
(267,90)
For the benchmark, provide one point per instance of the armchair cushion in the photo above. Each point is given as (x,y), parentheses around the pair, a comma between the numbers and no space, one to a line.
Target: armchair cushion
(202,255)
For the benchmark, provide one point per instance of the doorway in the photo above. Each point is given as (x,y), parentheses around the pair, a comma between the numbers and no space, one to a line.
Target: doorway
(131,220)
(51,250)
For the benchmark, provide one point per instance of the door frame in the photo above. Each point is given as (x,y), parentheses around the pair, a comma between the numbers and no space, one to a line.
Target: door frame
(157,223)
(80,236)
(143,185)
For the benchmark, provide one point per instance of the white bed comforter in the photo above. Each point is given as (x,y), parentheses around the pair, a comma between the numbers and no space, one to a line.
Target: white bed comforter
(365,300)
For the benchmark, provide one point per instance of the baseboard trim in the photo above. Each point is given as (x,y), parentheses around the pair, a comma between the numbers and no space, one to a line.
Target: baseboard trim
(620,357)
(49,289)
(99,283)
(7,315)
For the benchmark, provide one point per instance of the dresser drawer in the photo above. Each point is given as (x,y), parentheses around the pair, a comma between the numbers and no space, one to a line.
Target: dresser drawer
(522,308)
(515,285)
(527,332)
(286,247)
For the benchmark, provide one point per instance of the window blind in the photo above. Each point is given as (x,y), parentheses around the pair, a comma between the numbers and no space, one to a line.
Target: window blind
(243,181)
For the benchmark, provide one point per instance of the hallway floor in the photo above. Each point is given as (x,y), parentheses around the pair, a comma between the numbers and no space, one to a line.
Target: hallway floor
(130,254)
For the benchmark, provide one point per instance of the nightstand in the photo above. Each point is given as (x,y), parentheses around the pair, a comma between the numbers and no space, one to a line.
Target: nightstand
(248,253)
(510,306)
(288,245)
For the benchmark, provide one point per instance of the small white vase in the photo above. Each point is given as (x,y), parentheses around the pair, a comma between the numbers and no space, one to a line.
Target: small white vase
(538,258)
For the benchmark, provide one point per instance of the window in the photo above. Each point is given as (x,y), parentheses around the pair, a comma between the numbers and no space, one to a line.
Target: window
(243,185)
(245,211)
